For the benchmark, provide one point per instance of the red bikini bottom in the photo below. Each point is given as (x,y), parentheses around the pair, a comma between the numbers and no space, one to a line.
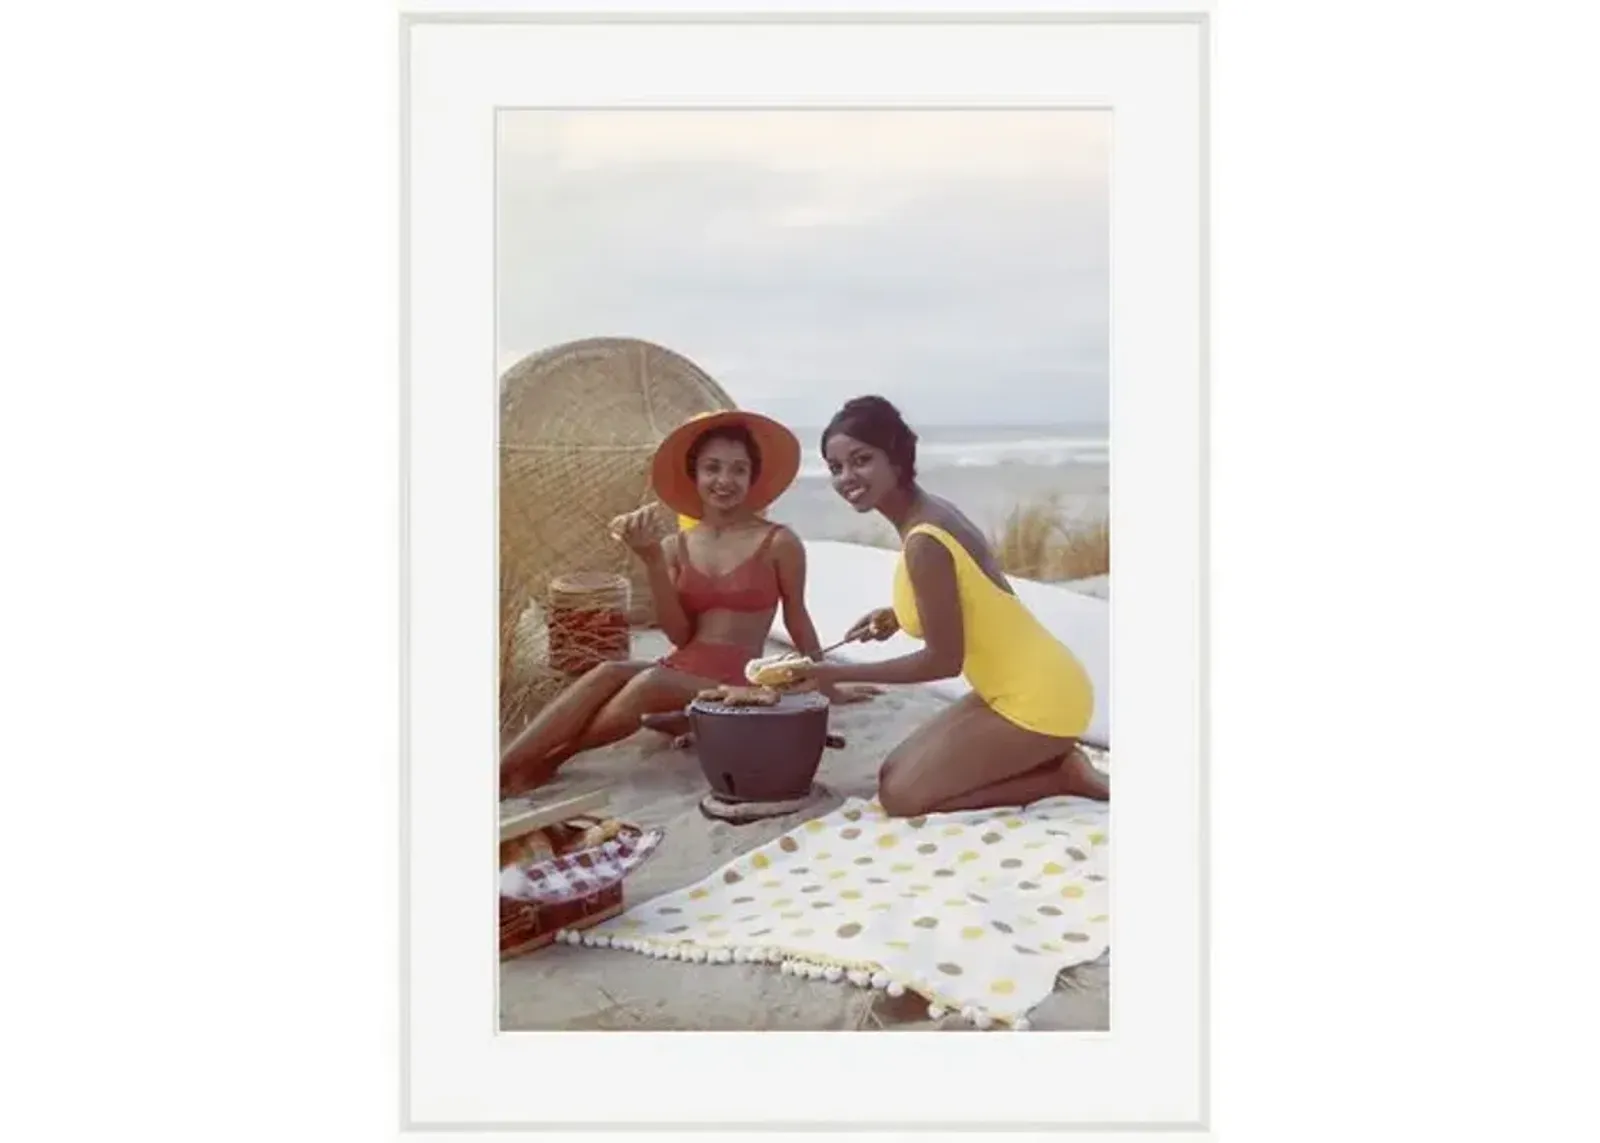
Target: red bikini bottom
(719,662)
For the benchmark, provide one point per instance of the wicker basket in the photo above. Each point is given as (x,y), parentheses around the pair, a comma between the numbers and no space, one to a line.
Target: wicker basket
(586,620)
(527,926)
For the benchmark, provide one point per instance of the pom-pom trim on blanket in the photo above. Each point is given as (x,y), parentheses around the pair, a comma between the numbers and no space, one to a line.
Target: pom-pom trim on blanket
(858,974)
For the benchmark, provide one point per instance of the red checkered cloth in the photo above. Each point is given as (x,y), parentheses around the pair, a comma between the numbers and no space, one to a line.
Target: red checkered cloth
(584,873)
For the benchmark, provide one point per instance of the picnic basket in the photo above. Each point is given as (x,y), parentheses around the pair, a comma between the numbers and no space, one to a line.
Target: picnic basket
(529,925)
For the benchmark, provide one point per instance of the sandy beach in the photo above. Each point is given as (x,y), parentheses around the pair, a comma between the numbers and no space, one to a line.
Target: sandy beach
(654,785)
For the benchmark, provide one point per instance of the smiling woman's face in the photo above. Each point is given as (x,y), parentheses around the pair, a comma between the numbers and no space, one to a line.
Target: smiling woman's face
(861,473)
(722,474)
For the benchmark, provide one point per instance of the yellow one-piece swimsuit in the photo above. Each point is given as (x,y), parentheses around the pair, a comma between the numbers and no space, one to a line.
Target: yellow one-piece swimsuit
(1024,673)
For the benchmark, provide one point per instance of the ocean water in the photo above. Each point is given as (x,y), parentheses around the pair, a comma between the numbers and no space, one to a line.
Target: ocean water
(985,471)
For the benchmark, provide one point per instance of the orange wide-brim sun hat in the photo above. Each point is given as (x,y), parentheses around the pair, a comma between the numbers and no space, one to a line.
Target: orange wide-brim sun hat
(780,461)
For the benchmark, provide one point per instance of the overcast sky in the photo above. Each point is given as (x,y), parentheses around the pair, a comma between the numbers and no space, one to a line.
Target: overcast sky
(955,262)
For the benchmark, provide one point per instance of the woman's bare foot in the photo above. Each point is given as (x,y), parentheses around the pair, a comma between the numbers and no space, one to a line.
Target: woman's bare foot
(844,695)
(520,780)
(1080,778)
(528,775)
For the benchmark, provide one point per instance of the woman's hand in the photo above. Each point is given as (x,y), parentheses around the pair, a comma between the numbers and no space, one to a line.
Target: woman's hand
(640,530)
(874,626)
(807,675)
(843,696)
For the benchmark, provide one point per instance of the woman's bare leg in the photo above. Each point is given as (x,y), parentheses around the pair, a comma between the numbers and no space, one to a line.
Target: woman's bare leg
(1071,774)
(967,758)
(565,718)
(654,690)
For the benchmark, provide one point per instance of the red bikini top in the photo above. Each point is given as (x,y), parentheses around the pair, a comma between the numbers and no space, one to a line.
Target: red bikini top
(752,586)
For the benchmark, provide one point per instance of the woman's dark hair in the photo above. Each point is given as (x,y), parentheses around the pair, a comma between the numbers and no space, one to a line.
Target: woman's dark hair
(736,433)
(874,421)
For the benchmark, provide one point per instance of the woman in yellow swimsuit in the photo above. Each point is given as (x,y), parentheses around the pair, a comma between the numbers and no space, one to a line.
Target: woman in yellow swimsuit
(1014,738)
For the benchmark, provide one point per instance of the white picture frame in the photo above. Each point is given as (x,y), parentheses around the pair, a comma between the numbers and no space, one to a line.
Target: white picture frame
(1148,1072)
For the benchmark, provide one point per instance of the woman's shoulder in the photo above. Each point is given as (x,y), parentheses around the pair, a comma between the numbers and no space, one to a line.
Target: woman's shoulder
(945,522)
(947,529)
(928,545)
(782,540)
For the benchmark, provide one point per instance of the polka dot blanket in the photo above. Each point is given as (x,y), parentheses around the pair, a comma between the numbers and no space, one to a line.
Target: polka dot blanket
(975,911)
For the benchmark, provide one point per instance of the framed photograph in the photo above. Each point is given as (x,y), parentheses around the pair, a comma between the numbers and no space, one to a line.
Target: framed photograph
(774,385)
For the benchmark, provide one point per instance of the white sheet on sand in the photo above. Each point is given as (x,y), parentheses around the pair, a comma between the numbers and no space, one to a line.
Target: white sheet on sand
(976,912)
(845,581)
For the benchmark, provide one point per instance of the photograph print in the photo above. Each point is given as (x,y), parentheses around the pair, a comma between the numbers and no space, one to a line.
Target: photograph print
(805,572)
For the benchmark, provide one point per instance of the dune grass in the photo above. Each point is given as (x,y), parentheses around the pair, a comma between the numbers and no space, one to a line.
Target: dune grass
(1037,541)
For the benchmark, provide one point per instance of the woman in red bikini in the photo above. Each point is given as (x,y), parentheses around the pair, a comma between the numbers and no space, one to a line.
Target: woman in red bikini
(717,586)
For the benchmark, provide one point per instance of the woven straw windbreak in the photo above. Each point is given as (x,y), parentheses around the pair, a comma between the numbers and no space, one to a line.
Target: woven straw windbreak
(579,424)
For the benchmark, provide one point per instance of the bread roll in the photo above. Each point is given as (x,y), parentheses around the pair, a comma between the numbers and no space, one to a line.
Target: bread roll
(529,849)
(773,670)
(600,833)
